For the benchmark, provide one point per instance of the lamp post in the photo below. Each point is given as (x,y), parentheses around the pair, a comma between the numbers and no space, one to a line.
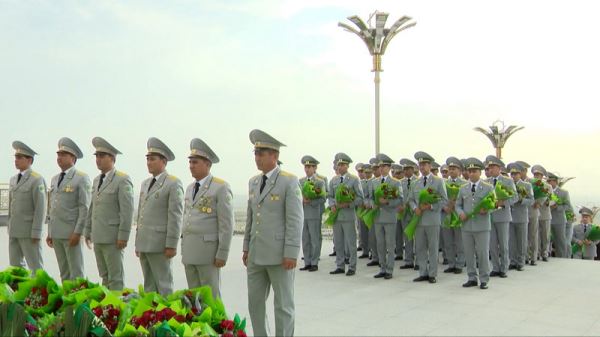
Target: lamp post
(497,136)
(377,39)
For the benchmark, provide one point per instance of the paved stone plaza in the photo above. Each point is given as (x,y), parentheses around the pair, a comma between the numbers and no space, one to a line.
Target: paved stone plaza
(557,298)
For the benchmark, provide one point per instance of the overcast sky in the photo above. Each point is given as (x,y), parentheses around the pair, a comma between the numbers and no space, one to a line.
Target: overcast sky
(215,70)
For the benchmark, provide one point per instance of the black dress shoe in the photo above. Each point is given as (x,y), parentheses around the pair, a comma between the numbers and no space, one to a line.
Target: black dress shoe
(470,283)
(359,249)
(379,275)
(532,263)
(332,254)
(407,266)
(449,270)
(432,280)
(387,276)
(398,258)
(483,285)
(503,275)
(421,279)
(457,271)
(545,259)
(519,268)
(445,262)
(373,263)
(307,267)
(337,271)
(512,267)
(494,274)
(363,256)
(313,268)
(350,272)
(347,261)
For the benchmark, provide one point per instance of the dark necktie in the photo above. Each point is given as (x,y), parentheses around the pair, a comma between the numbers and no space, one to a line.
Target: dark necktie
(584,228)
(495,181)
(453,180)
(264,182)
(101,180)
(382,180)
(196,188)
(424,181)
(473,189)
(60,179)
(408,183)
(341,179)
(19,177)
(151,184)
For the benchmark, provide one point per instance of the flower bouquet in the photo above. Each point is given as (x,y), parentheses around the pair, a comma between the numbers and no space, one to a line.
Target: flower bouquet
(452,220)
(540,190)
(593,234)
(383,191)
(488,203)
(343,194)
(426,196)
(311,192)
(503,192)
(40,295)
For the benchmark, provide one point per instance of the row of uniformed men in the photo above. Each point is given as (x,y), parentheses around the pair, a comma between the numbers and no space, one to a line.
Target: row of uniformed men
(511,233)
(102,212)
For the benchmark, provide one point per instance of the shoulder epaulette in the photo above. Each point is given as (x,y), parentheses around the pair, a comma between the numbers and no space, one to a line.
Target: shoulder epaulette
(395,179)
(486,183)
(172,177)
(286,174)
(352,175)
(80,173)
(322,177)
(121,174)
(218,180)
(35,174)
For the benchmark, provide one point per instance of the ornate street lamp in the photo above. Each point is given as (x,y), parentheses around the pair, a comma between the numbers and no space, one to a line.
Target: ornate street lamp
(497,136)
(377,39)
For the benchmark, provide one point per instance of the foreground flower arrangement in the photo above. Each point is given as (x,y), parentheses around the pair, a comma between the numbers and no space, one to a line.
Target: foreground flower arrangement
(38,306)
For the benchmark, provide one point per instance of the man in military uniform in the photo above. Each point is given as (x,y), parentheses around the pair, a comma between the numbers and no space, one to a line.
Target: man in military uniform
(559,220)
(517,238)
(374,162)
(539,172)
(588,248)
(363,231)
(344,228)
(533,214)
(501,218)
(386,219)
(398,174)
(445,171)
(160,212)
(311,232)
(406,183)
(428,229)
(26,211)
(70,193)
(453,236)
(110,215)
(476,226)
(207,221)
(273,237)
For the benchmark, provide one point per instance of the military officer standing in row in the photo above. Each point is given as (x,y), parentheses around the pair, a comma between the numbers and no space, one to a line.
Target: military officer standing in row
(160,212)
(344,228)
(386,219)
(476,227)
(428,229)
(588,248)
(364,184)
(272,238)
(374,162)
(501,218)
(558,223)
(108,224)
(363,231)
(70,193)
(311,231)
(207,221)
(453,236)
(517,238)
(406,183)
(26,211)
(539,172)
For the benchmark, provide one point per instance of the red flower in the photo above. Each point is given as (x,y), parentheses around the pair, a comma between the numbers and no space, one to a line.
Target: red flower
(227,325)
(227,334)
(241,333)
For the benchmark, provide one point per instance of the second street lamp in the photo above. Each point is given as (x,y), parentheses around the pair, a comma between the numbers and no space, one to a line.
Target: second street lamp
(377,39)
